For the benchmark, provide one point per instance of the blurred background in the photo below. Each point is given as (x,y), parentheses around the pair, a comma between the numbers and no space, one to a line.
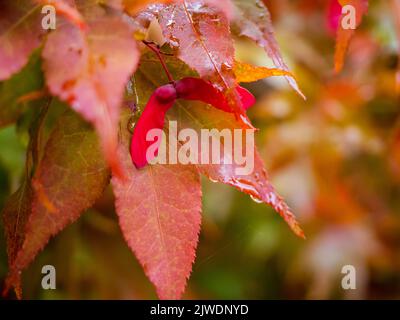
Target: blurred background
(335,158)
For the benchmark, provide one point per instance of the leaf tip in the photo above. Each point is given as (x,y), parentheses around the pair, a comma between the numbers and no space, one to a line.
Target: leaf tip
(13,280)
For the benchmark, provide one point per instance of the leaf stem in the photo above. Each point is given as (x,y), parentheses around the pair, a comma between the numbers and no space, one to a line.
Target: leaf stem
(156,50)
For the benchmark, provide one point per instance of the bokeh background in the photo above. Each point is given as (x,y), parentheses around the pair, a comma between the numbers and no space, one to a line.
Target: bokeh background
(335,158)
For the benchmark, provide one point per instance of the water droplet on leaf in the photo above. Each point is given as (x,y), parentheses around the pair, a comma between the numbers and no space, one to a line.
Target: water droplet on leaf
(131,124)
(256,200)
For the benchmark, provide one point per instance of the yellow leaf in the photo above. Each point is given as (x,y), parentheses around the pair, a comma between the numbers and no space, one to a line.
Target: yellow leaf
(245,72)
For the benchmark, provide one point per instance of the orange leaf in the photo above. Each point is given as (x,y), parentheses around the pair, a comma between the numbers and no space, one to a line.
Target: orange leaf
(245,72)
(344,36)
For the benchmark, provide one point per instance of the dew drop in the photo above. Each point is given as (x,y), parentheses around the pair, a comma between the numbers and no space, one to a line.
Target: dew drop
(272,198)
(170,23)
(196,6)
(174,42)
(226,66)
(212,180)
(256,200)
(131,124)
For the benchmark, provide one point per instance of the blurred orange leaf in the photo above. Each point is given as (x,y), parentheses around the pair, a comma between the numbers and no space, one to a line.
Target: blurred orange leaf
(344,36)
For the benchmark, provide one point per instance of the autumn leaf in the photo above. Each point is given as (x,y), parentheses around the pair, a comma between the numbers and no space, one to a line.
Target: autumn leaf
(202,40)
(15,215)
(224,6)
(96,66)
(197,116)
(20,34)
(136,197)
(246,72)
(87,62)
(159,210)
(67,181)
(344,36)
(29,80)
(200,36)
(253,21)
(256,184)
(22,31)
(17,210)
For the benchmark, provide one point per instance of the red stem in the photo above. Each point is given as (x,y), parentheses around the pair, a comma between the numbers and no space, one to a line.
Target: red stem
(156,50)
